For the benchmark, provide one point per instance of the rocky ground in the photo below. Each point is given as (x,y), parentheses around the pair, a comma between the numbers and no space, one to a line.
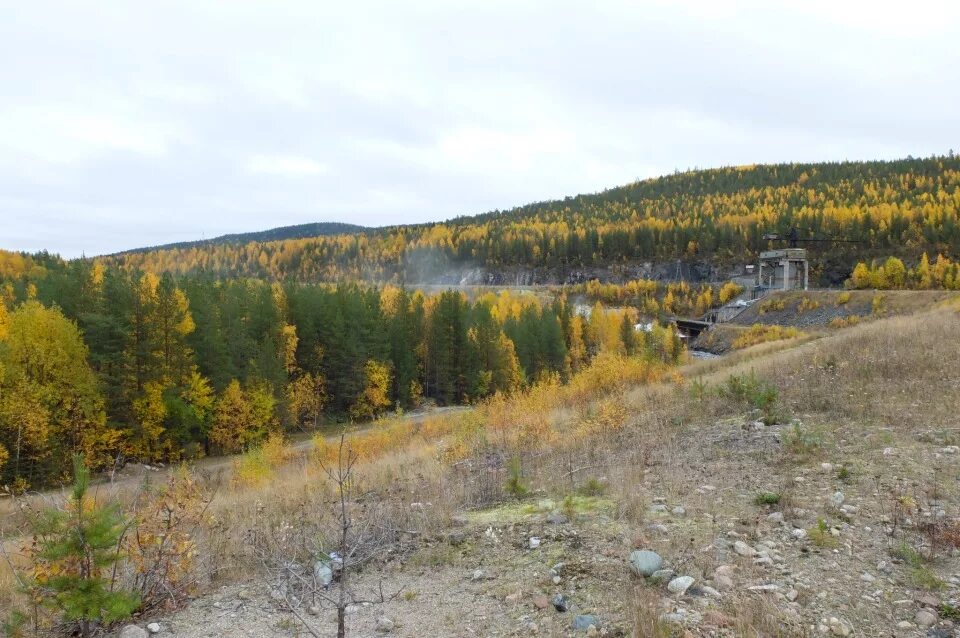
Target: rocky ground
(792,529)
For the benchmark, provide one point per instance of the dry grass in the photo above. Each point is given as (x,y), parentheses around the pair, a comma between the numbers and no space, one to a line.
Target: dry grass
(894,372)
(759,333)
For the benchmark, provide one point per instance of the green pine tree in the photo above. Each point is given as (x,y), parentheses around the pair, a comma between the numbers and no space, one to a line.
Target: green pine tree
(78,544)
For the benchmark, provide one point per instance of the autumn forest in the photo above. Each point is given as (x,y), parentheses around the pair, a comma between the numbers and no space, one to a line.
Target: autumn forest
(174,353)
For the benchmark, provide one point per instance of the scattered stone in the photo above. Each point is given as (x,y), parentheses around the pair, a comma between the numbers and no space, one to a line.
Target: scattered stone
(951,449)
(837,499)
(534,542)
(925,618)
(556,580)
(662,576)
(658,508)
(457,538)
(792,595)
(384,625)
(840,627)
(678,511)
(743,549)
(867,578)
(541,602)
(154,628)
(723,582)
(322,573)
(314,610)
(459,521)
(560,603)
(674,618)
(585,621)
(826,467)
(680,585)
(644,562)
(928,600)
(768,588)
(775,518)
(717,619)
(478,574)
(799,533)
(557,519)
(706,590)
(133,631)
(904,624)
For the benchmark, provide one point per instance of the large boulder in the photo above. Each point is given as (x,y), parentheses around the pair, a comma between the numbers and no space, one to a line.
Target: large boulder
(644,562)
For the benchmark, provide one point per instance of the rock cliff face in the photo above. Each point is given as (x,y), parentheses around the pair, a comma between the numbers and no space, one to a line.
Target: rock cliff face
(455,275)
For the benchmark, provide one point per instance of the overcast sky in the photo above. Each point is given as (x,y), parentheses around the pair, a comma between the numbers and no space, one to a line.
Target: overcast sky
(125,124)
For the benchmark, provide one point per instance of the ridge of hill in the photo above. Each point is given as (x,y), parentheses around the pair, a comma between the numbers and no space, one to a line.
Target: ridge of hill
(297,231)
(709,219)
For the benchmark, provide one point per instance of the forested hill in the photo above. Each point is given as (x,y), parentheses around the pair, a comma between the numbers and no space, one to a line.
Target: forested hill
(298,231)
(904,207)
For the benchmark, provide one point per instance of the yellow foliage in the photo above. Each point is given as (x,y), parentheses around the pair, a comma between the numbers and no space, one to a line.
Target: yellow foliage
(162,547)
(375,397)
(729,291)
(807,304)
(772,305)
(844,322)
(609,416)
(759,333)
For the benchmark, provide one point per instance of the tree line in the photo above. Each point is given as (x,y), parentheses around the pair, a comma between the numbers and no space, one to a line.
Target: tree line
(104,361)
(902,207)
(892,274)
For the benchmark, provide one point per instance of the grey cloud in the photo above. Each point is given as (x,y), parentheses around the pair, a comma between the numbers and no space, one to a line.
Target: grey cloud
(133,124)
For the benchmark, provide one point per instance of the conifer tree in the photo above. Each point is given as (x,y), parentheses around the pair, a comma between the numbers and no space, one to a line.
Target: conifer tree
(74,549)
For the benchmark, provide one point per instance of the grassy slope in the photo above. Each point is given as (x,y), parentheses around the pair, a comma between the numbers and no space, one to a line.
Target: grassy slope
(858,392)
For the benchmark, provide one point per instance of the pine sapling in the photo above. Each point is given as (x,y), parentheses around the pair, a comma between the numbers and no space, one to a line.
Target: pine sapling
(76,547)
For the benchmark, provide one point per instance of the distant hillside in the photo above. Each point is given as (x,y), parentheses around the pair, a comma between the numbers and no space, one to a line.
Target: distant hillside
(299,231)
(705,218)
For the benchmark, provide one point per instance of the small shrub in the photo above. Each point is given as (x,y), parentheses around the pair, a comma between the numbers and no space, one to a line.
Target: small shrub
(162,550)
(772,305)
(924,578)
(759,333)
(698,389)
(767,498)
(593,487)
(515,486)
(844,322)
(821,536)
(251,469)
(919,574)
(801,441)
(843,474)
(569,507)
(843,298)
(879,305)
(74,551)
(440,555)
(807,304)
(948,611)
(758,394)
